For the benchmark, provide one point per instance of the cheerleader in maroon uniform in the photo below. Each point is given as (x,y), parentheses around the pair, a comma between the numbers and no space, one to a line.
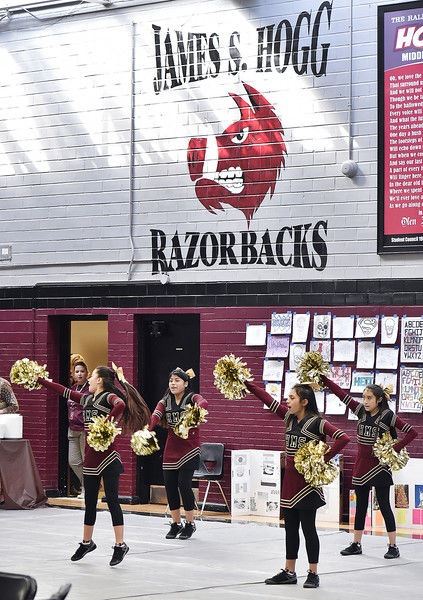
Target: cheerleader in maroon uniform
(104,399)
(299,499)
(181,457)
(374,419)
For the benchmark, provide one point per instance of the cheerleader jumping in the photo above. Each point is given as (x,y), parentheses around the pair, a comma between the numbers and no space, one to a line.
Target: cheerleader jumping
(181,456)
(374,419)
(105,398)
(299,499)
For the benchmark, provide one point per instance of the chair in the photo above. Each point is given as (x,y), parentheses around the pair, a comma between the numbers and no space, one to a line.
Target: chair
(211,453)
(23,587)
(17,587)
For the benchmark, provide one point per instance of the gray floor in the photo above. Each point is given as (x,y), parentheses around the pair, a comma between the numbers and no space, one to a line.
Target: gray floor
(224,561)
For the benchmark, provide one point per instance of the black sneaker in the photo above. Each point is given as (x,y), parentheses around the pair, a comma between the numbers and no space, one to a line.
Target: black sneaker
(119,553)
(353,548)
(187,531)
(83,550)
(175,529)
(284,577)
(312,580)
(393,552)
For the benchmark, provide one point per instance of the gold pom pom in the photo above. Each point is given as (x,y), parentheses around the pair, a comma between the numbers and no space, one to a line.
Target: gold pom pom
(309,461)
(102,433)
(25,372)
(230,376)
(386,455)
(421,395)
(193,416)
(144,442)
(311,367)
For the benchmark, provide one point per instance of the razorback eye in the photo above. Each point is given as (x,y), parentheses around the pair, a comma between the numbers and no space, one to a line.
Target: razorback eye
(241,136)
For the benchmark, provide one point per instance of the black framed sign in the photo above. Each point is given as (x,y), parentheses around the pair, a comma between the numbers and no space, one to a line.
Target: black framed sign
(400,127)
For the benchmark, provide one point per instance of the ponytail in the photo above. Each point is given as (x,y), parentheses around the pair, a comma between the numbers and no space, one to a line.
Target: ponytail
(136,414)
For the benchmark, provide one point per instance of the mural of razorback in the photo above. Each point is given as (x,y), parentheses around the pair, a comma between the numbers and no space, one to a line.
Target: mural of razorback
(242,164)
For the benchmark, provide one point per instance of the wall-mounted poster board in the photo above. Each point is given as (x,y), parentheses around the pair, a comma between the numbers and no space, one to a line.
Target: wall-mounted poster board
(400,118)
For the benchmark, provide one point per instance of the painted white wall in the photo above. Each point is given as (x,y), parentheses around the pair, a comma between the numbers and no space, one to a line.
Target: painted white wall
(65,138)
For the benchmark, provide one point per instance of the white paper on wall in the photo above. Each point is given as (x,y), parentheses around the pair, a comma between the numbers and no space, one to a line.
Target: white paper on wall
(296,352)
(277,346)
(366,327)
(321,326)
(389,329)
(255,335)
(300,326)
(411,381)
(384,379)
(290,380)
(334,406)
(343,327)
(412,339)
(341,375)
(281,323)
(360,380)
(322,346)
(272,370)
(365,354)
(387,358)
(344,350)
(352,416)
(274,388)
(320,401)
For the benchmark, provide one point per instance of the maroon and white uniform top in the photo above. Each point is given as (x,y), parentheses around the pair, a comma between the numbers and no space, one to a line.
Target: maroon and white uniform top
(104,403)
(75,410)
(296,492)
(367,468)
(178,452)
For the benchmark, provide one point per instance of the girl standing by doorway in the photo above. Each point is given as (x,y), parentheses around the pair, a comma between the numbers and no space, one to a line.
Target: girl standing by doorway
(181,457)
(76,430)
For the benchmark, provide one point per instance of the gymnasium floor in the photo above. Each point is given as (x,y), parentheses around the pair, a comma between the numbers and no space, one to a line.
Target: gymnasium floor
(224,560)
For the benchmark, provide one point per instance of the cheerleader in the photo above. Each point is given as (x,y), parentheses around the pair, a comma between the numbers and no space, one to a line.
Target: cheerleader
(105,398)
(181,457)
(299,499)
(374,419)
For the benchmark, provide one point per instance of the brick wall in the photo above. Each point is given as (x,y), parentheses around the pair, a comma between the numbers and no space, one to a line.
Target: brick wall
(237,424)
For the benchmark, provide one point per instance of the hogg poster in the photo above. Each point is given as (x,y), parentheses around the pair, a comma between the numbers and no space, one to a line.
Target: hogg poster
(400,170)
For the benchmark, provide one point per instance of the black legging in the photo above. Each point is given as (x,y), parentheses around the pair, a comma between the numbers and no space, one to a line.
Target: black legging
(382,495)
(179,480)
(111,488)
(307,517)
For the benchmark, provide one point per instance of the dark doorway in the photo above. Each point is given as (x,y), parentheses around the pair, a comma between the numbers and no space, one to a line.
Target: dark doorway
(165,342)
(83,339)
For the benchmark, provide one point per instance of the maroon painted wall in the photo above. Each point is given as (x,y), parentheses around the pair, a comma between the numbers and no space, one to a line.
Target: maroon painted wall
(238,424)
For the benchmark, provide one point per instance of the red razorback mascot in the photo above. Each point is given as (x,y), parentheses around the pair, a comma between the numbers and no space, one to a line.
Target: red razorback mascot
(243,163)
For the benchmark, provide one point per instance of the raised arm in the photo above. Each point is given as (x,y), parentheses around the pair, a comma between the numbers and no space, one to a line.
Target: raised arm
(267,399)
(342,394)
(340,437)
(202,402)
(157,415)
(410,433)
(61,390)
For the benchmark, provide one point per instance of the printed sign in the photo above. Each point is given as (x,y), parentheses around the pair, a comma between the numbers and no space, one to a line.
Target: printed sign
(400,169)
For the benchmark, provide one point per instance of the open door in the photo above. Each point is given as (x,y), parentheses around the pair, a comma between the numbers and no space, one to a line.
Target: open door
(88,336)
(165,342)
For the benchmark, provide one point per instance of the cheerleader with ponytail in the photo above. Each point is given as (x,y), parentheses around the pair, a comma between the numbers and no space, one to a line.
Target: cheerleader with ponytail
(376,423)
(111,400)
